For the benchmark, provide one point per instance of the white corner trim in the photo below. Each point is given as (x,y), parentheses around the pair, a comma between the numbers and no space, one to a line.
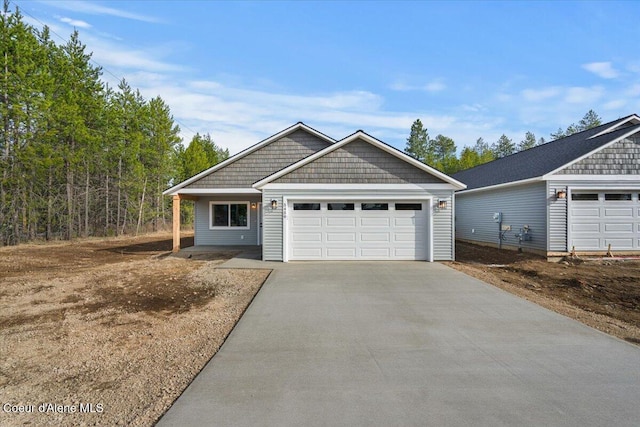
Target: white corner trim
(285,230)
(247,151)
(617,125)
(503,185)
(360,135)
(602,147)
(431,210)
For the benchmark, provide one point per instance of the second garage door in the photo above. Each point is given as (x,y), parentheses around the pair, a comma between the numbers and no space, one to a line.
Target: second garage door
(356,230)
(598,219)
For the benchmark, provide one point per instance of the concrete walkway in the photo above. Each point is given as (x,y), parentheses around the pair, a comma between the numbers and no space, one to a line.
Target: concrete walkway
(407,344)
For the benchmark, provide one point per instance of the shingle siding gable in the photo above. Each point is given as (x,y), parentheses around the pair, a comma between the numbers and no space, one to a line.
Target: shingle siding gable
(358,162)
(263,162)
(621,158)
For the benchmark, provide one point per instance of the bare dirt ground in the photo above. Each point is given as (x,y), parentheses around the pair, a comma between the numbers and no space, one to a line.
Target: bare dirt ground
(115,323)
(602,293)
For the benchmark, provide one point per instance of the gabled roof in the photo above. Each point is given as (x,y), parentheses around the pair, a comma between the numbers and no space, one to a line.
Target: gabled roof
(361,135)
(548,158)
(244,153)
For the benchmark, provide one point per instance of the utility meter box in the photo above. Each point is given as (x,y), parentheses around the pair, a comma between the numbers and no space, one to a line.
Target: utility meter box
(497,217)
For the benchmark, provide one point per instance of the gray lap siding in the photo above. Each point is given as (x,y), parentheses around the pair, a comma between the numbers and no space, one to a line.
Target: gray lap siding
(520,205)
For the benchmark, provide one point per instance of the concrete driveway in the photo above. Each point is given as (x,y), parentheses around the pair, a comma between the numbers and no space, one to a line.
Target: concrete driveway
(407,343)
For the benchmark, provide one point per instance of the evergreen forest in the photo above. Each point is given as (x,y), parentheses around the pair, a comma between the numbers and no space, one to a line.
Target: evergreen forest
(77,157)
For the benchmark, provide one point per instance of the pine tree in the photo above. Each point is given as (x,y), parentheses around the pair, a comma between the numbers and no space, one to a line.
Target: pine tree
(503,147)
(529,141)
(418,143)
(444,153)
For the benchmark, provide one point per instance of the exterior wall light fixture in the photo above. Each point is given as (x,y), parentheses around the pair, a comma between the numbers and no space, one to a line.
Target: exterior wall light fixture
(561,194)
(442,204)
(274,204)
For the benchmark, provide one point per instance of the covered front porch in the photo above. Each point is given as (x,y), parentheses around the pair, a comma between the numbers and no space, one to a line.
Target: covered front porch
(222,221)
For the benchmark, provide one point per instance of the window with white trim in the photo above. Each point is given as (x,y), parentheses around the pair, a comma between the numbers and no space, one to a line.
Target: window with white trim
(229,215)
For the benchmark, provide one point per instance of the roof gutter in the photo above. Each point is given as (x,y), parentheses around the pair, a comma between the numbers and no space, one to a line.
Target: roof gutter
(503,185)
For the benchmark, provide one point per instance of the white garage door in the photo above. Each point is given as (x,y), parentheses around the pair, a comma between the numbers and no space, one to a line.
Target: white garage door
(355,230)
(600,218)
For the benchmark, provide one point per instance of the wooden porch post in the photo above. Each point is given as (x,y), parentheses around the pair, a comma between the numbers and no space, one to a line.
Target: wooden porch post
(176,223)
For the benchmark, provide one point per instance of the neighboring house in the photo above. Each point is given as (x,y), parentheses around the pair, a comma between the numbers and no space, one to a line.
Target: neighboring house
(576,193)
(303,196)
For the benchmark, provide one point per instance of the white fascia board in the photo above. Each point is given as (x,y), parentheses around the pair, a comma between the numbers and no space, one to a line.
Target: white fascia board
(602,147)
(503,185)
(597,178)
(350,187)
(617,125)
(372,141)
(243,153)
(212,191)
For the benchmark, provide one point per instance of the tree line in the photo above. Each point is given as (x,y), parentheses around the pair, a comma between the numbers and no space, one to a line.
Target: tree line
(78,157)
(441,151)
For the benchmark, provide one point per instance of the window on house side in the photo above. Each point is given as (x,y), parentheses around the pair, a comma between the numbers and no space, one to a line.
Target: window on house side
(230,215)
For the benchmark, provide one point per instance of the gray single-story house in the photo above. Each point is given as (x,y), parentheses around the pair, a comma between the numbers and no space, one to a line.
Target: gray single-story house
(578,193)
(301,195)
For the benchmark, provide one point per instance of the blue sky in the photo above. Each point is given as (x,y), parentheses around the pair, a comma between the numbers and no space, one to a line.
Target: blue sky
(243,71)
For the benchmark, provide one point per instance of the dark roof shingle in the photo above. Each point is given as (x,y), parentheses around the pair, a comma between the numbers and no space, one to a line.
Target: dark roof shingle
(542,159)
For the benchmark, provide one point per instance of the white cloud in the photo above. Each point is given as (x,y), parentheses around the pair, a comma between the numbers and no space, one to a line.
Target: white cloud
(96,9)
(616,104)
(74,22)
(586,96)
(602,69)
(634,91)
(125,59)
(237,117)
(537,95)
(436,85)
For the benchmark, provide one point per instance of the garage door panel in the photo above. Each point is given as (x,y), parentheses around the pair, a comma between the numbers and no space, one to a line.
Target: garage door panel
(375,237)
(374,222)
(407,253)
(586,227)
(586,212)
(341,237)
(404,222)
(587,244)
(628,212)
(302,221)
(341,222)
(358,234)
(383,253)
(307,253)
(618,227)
(406,237)
(306,237)
(346,253)
(620,243)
